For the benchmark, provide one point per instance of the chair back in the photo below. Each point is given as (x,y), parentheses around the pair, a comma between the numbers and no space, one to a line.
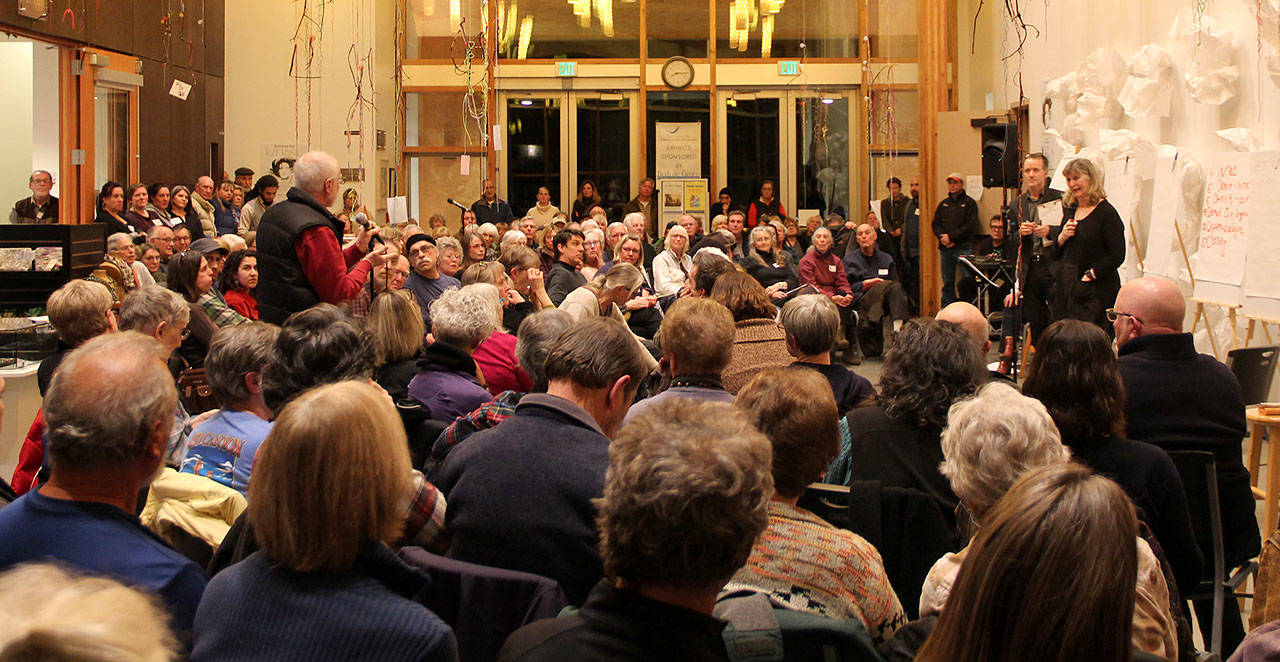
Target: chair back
(1254,368)
(1198,472)
(483,605)
(759,632)
(906,526)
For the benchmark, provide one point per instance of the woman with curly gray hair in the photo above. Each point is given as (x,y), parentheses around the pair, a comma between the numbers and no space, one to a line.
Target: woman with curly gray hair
(447,384)
(931,365)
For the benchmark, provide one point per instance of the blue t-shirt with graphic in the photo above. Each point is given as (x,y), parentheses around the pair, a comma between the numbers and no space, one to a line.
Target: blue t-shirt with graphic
(222,448)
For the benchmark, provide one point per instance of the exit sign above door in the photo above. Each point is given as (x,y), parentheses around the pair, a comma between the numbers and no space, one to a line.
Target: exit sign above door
(567,69)
(788,67)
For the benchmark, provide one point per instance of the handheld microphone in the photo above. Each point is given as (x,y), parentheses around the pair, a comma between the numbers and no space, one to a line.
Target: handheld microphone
(363,220)
(457,204)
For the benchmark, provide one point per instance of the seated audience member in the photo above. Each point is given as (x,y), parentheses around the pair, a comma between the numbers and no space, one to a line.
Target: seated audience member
(78,311)
(78,618)
(822,268)
(707,268)
(592,252)
(563,276)
(495,356)
(812,324)
(536,336)
(182,238)
(109,410)
(995,243)
(877,290)
(40,207)
(446,383)
(1181,400)
(162,238)
(1049,575)
(390,277)
(161,314)
(450,255)
(640,311)
(605,296)
(969,318)
(697,344)
(758,341)
(546,254)
(512,236)
(325,502)
(802,562)
(685,498)
(524,276)
(551,455)
(222,448)
(1074,374)
(396,328)
(671,266)
(191,277)
(120,247)
(993,439)
(896,441)
(427,281)
(237,281)
(495,273)
(771,267)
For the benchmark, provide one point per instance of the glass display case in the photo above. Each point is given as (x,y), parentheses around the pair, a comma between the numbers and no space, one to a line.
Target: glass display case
(35,260)
(25,341)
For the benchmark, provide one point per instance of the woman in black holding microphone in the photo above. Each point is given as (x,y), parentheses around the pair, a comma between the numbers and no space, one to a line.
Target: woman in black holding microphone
(1090,249)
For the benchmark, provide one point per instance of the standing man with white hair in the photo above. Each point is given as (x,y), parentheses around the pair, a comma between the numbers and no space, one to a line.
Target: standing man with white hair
(300,253)
(489,208)
(634,222)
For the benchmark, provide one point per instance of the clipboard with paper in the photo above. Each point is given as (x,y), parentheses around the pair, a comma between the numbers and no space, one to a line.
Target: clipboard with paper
(1050,213)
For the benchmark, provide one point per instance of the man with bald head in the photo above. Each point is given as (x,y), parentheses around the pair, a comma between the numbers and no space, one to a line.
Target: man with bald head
(108,413)
(202,201)
(1181,400)
(300,254)
(489,208)
(969,318)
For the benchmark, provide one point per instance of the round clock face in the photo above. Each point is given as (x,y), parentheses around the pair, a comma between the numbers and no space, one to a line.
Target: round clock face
(677,72)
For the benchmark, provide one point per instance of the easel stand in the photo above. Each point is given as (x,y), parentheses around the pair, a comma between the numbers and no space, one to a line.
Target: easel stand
(1231,314)
(1248,333)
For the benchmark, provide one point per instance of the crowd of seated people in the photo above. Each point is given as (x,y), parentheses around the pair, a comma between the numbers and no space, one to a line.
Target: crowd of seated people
(641,439)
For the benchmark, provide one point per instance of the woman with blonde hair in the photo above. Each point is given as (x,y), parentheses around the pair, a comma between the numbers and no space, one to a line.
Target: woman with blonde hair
(671,267)
(396,327)
(77,618)
(326,501)
(1090,249)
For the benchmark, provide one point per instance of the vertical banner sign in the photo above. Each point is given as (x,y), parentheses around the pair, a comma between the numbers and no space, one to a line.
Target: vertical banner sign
(678,149)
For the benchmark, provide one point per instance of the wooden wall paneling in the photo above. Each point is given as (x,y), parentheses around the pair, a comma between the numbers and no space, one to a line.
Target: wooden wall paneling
(214,37)
(156,125)
(189,136)
(148,30)
(110,25)
(68,137)
(213,123)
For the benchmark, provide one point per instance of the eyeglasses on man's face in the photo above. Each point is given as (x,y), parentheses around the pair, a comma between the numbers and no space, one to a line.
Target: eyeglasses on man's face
(1113,315)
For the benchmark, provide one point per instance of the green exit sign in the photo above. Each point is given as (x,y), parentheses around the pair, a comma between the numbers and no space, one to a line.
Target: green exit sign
(568,69)
(788,67)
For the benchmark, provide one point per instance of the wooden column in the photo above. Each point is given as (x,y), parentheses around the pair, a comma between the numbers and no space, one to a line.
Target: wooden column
(642,105)
(491,108)
(932,54)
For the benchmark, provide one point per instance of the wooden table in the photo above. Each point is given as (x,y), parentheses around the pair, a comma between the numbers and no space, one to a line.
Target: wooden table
(1260,428)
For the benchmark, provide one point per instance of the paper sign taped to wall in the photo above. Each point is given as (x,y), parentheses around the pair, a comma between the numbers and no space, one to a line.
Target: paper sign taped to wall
(398,210)
(973,186)
(180,89)
(464,164)
(497,137)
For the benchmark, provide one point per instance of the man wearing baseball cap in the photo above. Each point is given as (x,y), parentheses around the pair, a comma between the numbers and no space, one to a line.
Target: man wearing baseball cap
(426,282)
(953,225)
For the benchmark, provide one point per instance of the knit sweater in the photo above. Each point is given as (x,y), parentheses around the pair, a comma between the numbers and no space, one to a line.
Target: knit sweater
(805,564)
(758,344)
(254,611)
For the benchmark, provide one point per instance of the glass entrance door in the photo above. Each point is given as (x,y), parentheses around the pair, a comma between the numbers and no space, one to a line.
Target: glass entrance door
(560,139)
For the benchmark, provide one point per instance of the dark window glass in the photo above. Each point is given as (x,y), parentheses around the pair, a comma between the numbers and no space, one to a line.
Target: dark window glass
(604,150)
(751,132)
(533,150)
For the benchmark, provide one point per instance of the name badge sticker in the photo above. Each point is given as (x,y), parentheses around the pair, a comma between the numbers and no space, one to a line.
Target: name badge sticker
(884,272)
(831,268)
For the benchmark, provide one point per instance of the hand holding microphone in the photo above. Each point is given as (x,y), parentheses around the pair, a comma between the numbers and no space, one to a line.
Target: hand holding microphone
(370,234)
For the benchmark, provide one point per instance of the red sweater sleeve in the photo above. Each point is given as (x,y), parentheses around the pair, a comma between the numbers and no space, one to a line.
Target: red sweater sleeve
(325,264)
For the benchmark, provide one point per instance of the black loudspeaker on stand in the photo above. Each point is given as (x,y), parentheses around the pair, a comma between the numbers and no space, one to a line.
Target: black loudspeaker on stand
(1000,156)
